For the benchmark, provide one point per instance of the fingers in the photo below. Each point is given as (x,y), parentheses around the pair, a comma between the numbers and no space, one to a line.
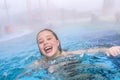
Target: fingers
(113,51)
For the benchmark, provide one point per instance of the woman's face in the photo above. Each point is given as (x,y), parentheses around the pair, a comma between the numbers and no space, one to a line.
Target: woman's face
(47,43)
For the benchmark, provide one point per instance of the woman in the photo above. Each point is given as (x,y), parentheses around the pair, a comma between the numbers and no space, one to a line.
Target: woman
(50,48)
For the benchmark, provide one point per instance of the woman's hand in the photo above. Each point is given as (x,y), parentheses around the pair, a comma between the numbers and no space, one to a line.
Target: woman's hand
(113,51)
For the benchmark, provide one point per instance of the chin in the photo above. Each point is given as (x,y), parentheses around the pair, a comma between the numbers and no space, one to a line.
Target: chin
(48,55)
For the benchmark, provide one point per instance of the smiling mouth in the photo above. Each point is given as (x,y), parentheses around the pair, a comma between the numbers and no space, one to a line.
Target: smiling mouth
(48,49)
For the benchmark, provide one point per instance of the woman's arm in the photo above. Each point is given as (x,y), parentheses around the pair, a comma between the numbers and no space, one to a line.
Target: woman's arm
(113,51)
(91,50)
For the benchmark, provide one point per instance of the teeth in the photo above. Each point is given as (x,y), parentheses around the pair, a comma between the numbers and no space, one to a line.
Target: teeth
(47,48)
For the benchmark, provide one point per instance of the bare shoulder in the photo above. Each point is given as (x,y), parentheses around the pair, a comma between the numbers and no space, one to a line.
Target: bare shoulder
(35,63)
(38,63)
(64,53)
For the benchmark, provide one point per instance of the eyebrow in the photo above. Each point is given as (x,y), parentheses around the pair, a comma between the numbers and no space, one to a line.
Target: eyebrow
(39,39)
(46,36)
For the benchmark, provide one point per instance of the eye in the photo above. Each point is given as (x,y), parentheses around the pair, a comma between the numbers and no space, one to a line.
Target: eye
(49,38)
(40,42)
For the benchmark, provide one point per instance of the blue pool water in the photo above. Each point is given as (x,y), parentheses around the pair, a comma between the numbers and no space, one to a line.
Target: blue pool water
(17,54)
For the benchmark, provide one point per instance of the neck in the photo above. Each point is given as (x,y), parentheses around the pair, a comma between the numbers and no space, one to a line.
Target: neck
(56,55)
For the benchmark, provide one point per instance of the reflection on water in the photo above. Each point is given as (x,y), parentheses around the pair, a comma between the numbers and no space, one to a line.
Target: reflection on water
(87,67)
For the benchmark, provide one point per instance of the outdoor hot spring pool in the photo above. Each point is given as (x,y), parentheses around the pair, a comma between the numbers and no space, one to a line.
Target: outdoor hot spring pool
(17,54)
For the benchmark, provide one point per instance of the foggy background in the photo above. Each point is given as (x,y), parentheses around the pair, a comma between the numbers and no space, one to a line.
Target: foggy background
(31,15)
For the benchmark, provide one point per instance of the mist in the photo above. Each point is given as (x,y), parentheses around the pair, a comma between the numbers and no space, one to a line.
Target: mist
(32,15)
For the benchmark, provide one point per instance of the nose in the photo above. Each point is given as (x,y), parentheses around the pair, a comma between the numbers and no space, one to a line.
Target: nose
(45,42)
